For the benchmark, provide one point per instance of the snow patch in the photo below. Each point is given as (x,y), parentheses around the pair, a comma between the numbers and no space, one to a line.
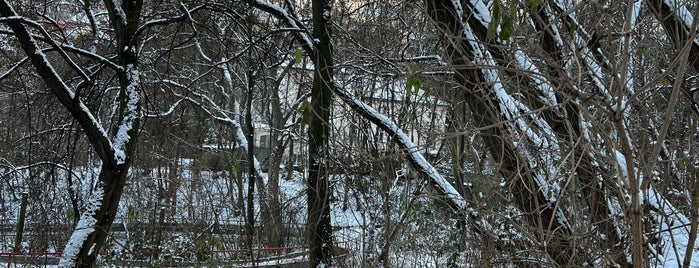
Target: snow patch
(673,230)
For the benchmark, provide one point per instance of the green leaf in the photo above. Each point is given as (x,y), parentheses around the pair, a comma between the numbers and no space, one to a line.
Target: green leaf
(664,82)
(298,55)
(507,24)
(412,85)
(572,27)
(496,11)
(492,30)
(426,90)
(493,25)
(504,34)
(534,5)
(132,213)
(306,113)
(641,49)
(506,28)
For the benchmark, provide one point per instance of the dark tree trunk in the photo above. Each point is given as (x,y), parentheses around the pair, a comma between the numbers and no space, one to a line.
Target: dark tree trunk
(250,212)
(319,228)
(112,176)
(113,180)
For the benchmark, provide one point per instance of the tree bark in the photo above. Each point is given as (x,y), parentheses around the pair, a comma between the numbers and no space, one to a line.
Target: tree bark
(250,135)
(274,223)
(318,191)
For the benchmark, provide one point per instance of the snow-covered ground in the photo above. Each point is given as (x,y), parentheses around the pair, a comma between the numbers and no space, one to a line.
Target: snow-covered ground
(365,210)
(207,197)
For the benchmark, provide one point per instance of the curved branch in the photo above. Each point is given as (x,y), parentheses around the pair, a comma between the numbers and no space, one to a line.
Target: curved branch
(96,134)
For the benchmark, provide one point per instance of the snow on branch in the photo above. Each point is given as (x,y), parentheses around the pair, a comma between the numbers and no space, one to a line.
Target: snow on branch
(65,46)
(518,119)
(455,200)
(672,226)
(219,114)
(548,94)
(168,112)
(673,230)
(14,169)
(131,114)
(65,95)
(85,227)
(684,15)
(435,58)
(512,109)
(287,19)
(13,68)
(116,7)
(47,38)
(162,21)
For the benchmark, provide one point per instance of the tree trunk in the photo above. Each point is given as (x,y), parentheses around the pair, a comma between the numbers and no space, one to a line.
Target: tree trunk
(274,223)
(250,212)
(676,28)
(319,229)
(20,224)
(102,204)
(568,128)
(487,108)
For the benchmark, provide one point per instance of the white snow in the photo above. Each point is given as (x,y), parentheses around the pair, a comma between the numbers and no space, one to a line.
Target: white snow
(621,167)
(481,12)
(130,114)
(621,102)
(86,226)
(168,112)
(636,10)
(119,11)
(436,58)
(541,83)
(684,14)
(546,176)
(413,153)
(515,112)
(672,226)
(459,9)
(673,231)
(288,19)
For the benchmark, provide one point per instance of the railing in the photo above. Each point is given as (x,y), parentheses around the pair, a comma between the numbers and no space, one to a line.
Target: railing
(21,258)
(278,255)
(265,256)
(348,241)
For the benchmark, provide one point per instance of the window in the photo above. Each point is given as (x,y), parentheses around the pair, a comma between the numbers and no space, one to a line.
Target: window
(263,141)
